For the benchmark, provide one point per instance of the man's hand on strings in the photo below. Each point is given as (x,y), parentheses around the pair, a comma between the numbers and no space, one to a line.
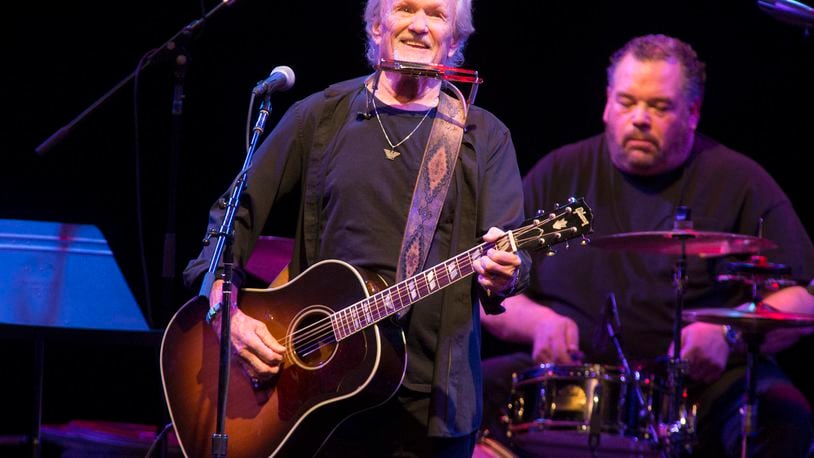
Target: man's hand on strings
(260,354)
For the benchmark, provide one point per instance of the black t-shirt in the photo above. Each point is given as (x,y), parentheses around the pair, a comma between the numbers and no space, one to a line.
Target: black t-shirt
(359,171)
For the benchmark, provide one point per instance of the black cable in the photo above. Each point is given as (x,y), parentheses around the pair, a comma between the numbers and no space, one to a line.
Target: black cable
(158,440)
(139,212)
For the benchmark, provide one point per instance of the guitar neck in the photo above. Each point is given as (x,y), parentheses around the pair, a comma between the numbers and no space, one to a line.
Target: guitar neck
(398,297)
(562,224)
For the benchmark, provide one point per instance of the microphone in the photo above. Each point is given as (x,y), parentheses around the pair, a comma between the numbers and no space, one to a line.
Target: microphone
(280,79)
(789,11)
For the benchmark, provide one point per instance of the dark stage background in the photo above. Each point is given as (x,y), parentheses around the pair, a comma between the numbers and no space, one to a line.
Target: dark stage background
(544,69)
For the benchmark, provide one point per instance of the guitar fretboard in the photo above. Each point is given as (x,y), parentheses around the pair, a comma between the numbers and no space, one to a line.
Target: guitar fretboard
(398,297)
(561,225)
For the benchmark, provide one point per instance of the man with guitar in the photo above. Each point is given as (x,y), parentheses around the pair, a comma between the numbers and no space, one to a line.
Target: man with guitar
(364,155)
(641,175)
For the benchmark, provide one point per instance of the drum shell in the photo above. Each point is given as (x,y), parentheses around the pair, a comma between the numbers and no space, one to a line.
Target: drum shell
(660,400)
(568,397)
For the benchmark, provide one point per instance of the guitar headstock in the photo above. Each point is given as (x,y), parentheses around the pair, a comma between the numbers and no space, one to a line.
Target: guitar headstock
(563,223)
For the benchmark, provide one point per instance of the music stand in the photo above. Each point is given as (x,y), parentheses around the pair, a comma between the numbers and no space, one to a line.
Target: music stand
(58,278)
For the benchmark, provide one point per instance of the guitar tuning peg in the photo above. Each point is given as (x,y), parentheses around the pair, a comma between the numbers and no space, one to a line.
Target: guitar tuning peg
(539,213)
(585,241)
(572,199)
(567,245)
(551,253)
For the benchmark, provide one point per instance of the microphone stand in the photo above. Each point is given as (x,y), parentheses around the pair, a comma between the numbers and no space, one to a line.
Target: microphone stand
(177,111)
(168,261)
(223,250)
(613,327)
(173,46)
(168,46)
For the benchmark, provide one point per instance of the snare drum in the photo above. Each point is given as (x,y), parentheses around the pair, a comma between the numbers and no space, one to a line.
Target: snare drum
(572,406)
(555,397)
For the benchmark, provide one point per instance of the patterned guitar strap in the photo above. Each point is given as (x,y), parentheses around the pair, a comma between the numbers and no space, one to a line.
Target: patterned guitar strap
(431,186)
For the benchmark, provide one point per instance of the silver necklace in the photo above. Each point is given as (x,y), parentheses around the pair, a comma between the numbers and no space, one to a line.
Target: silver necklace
(391,152)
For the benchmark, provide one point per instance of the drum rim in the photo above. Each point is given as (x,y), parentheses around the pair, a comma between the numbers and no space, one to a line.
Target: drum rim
(551,371)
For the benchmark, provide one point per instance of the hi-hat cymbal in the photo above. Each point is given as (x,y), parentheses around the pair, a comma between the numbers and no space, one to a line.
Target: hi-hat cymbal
(758,272)
(769,283)
(756,321)
(700,243)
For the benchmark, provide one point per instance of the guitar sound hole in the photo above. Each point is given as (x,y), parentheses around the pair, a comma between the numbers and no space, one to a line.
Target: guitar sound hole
(313,341)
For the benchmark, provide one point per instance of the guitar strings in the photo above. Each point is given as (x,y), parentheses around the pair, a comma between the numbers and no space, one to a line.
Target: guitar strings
(317,334)
(322,329)
(400,291)
(314,336)
(310,340)
(322,332)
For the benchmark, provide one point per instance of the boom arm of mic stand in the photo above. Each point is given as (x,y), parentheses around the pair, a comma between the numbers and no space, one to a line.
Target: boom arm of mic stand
(63,132)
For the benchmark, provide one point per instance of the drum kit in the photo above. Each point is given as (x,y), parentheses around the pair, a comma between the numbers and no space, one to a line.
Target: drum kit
(560,410)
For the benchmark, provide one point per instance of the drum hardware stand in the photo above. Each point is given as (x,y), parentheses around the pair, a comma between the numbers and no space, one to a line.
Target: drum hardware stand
(612,325)
(748,411)
(753,342)
(682,241)
(760,318)
(676,438)
(595,423)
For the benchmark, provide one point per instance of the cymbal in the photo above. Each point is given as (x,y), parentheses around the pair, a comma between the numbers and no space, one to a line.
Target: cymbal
(696,243)
(769,283)
(757,265)
(757,321)
(758,272)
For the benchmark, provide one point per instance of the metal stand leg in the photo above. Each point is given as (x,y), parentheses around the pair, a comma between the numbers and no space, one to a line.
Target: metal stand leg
(39,360)
(749,410)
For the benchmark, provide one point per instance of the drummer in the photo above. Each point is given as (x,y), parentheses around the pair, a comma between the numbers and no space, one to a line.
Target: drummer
(651,171)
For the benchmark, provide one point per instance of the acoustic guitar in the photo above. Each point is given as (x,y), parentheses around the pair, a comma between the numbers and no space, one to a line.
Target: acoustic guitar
(343,356)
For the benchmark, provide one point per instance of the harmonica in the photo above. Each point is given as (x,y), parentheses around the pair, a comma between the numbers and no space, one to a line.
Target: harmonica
(441,72)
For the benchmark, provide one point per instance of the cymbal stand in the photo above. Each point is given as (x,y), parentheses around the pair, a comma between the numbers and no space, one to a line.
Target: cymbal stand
(753,342)
(675,382)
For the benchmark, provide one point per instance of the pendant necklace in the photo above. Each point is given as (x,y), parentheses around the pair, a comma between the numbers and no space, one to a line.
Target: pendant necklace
(391,152)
